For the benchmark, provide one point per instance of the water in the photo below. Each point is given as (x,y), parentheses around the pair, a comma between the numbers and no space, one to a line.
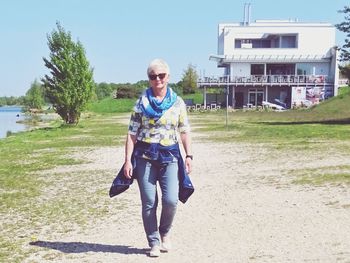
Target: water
(8,120)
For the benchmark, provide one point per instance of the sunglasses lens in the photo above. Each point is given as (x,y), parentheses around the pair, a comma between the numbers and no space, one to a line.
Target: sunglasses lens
(160,76)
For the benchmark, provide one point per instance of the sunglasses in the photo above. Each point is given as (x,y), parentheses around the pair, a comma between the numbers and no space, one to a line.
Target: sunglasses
(161,76)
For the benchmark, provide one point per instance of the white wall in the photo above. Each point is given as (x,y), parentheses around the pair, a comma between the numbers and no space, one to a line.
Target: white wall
(221,43)
(313,38)
(240,69)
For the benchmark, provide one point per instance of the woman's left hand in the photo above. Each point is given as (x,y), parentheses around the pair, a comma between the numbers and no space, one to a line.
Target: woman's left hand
(188,165)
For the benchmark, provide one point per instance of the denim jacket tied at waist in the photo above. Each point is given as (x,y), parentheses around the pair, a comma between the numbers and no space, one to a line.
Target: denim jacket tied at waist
(162,155)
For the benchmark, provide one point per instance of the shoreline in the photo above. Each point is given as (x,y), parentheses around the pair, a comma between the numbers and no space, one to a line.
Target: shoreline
(18,121)
(9,117)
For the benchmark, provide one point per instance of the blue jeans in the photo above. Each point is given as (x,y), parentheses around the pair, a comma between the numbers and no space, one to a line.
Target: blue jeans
(148,173)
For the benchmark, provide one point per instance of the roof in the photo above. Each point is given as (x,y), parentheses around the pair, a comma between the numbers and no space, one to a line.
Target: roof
(269,58)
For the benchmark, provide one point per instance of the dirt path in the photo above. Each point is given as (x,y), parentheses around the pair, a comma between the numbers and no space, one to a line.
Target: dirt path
(245,209)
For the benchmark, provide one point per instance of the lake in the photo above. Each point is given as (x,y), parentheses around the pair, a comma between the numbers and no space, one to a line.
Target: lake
(8,118)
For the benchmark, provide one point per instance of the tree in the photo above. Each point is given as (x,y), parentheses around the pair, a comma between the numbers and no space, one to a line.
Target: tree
(126,90)
(35,96)
(103,90)
(345,27)
(345,71)
(177,87)
(71,84)
(11,100)
(2,101)
(189,80)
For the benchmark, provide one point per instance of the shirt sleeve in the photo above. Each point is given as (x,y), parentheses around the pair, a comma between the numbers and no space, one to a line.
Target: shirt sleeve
(135,120)
(184,125)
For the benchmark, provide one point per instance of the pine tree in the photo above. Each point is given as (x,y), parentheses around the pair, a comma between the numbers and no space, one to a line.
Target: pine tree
(71,84)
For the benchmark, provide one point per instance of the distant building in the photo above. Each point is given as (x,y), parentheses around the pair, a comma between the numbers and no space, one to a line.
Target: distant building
(286,62)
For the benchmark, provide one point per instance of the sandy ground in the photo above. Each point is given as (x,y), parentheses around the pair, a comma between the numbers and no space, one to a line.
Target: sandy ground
(245,209)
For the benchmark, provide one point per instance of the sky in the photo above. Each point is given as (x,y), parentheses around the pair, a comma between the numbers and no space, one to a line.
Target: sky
(121,37)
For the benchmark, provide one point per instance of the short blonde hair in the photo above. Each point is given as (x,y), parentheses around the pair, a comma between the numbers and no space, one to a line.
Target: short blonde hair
(158,64)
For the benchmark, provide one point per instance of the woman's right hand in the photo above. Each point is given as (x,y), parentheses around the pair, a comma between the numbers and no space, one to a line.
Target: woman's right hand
(128,169)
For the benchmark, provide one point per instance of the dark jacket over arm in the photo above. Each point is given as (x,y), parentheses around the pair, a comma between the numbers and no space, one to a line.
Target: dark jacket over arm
(162,155)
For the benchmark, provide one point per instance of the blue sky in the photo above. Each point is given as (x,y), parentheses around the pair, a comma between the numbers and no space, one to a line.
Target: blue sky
(122,37)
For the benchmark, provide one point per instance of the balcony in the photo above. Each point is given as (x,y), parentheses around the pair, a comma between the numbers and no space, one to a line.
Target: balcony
(263,80)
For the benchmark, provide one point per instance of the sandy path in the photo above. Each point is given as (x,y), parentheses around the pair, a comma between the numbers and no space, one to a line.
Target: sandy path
(244,209)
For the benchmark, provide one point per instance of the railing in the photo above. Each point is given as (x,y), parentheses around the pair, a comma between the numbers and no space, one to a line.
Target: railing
(265,79)
(343,82)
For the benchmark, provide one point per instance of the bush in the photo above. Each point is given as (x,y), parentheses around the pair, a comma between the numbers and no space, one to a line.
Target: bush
(128,91)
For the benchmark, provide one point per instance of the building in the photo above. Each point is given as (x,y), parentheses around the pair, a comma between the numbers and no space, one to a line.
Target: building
(284,62)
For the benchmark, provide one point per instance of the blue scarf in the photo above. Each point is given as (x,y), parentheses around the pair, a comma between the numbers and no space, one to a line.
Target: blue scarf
(153,108)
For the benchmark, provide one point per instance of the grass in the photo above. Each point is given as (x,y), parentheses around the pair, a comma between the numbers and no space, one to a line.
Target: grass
(317,179)
(32,197)
(24,158)
(42,149)
(334,175)
(110,105)
(197,97)
(267,127)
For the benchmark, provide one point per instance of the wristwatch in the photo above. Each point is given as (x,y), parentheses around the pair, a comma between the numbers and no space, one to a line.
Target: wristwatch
(189,156)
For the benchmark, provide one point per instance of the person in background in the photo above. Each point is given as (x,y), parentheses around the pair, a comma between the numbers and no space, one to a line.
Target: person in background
(152,154)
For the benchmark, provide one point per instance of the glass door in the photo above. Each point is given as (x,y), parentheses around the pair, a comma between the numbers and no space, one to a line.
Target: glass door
(255,97)
(259,98)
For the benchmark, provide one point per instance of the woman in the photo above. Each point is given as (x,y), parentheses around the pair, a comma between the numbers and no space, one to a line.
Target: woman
(152,146)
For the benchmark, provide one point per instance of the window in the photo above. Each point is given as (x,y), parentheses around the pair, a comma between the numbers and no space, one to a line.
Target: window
(243,43)
(271,41)
(255,97)
(288,42)
(257,69)
(261,43)
(280,69)
(252,43)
